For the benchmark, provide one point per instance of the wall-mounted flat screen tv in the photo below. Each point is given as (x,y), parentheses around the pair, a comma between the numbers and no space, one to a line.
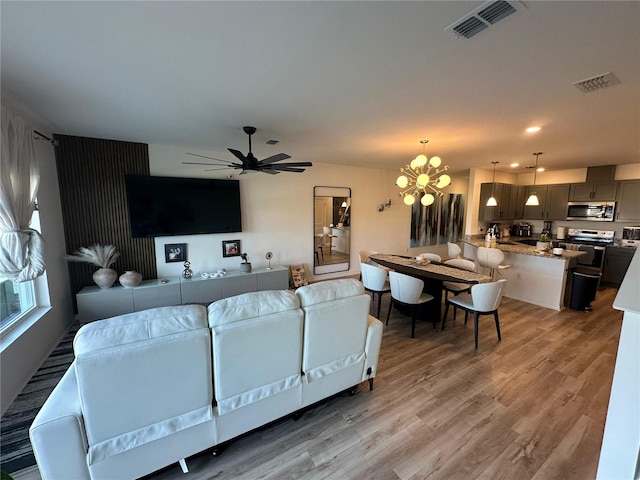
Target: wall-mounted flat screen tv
(163,206)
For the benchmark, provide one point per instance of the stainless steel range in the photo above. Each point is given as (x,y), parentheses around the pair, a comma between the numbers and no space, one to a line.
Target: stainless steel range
(593,242)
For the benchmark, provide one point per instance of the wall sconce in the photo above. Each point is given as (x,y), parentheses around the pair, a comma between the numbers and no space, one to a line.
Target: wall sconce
(382,206)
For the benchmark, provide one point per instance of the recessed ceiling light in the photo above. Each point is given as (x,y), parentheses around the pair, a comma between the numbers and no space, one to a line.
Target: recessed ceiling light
(515,164)
(533,129)
(540,169)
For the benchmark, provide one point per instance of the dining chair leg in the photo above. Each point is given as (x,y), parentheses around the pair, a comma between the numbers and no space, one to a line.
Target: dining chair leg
(379,303)
(495,316)
(389,312)
(476,316)
(466,316)
(413,322)
(444,317)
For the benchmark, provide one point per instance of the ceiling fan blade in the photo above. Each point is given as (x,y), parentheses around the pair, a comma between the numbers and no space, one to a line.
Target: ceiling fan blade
(283,168)
(293,164)
(275,158)
(204,156)
(238,154)
(270,171)
(220,168)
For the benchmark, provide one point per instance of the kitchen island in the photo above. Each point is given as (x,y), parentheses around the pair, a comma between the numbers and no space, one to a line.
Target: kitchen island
(534,276)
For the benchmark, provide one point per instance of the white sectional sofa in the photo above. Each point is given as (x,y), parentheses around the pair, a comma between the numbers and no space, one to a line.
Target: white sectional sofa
(150,388)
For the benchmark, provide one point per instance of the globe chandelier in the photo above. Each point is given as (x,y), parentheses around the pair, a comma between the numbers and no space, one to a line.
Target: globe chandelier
(423,177)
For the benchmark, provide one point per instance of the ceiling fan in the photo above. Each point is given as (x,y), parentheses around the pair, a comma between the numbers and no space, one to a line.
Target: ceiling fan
(250,164)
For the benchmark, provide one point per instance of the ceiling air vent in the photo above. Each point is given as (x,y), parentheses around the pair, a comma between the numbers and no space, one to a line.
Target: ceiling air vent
(597,82)
(483,17)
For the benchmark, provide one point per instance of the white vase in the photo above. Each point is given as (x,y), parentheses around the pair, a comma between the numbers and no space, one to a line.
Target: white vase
(105,277)
(130,278)
(245,267)
(542,246)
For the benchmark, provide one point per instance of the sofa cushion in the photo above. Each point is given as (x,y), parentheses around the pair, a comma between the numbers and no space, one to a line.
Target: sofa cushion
(139,326)
(328,291)
(143,377)
(251,305)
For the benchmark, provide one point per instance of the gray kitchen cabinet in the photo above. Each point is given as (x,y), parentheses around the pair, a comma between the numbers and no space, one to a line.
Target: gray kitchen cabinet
(516,201)
(592,192)
(628,201)
(616,263)
(535,212)
(490,213)
(553,202)
(510,199)
(556,202)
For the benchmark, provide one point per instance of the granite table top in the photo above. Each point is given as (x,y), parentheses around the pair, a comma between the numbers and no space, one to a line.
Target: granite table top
(434,270)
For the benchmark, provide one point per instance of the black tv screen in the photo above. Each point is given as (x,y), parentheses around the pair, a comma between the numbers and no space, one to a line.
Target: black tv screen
(162,206)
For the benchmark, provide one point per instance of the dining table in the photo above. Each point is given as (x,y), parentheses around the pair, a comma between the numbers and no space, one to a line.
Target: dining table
(432,273)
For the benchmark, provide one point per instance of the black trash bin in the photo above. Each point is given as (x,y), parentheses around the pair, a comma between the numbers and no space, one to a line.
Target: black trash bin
(583,292)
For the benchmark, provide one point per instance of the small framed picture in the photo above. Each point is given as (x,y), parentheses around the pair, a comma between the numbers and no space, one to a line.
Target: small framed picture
(231,248)
(175,252)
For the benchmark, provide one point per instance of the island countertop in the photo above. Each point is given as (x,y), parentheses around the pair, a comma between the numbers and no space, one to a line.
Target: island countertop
(520,248)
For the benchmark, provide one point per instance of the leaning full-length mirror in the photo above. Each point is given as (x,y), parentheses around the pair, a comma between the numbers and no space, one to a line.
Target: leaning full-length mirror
(331,229)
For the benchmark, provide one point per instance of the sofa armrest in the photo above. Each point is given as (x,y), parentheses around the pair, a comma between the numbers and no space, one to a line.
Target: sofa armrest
(372,349)
(57,433)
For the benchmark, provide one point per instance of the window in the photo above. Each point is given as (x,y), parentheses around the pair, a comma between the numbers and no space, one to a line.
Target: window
(17,299)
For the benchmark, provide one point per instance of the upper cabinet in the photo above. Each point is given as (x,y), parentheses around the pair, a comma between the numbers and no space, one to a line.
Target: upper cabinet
(591,192)
(553,202)
(510,199)
(628,206)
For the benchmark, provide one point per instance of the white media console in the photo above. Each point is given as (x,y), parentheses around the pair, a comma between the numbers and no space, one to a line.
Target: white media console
(95,303)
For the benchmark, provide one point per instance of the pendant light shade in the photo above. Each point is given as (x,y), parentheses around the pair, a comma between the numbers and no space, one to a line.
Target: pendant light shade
(492,202)
(533,201)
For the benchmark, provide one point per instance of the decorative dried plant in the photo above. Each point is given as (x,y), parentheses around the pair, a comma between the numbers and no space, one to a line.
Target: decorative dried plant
(100,255)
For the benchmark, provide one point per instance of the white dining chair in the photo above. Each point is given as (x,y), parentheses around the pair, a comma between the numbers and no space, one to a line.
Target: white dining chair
(453,250)
(327,234)
(432,257)
(375,280)
(492,259)
(407,291)
(484,299)
(458,287)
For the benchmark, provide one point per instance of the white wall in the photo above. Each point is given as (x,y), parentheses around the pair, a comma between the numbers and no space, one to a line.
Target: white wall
(24,350)
(278,215)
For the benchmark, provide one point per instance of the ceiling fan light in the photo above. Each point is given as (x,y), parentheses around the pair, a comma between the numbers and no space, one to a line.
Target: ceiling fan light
(427,199)
(409,199)
(492,202)
(532,201)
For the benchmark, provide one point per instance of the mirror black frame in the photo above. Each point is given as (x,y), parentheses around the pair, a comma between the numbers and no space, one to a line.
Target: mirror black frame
(344,231)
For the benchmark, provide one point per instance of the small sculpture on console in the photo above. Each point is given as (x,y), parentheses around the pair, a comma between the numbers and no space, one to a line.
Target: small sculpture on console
(245,266)
(187,272)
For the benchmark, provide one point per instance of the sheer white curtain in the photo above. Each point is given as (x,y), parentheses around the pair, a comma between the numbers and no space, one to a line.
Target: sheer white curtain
(21,247)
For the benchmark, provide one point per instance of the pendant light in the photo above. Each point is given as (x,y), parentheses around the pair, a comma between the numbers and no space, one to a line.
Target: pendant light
(533,201)
(423,178)
(492,202)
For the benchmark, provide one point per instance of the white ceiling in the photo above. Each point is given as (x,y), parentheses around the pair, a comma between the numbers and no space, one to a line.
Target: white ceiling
(343,82)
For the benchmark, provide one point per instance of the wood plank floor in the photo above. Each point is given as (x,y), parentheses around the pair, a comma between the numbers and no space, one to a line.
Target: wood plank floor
(530,407)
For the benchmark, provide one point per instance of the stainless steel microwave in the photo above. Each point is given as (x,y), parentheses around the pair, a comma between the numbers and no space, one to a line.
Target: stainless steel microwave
(591,211)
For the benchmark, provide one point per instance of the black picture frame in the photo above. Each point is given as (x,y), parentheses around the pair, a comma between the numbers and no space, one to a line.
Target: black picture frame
(175,252)
(231,248)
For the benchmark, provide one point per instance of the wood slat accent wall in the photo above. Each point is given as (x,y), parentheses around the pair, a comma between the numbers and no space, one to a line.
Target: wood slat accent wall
(94,207)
